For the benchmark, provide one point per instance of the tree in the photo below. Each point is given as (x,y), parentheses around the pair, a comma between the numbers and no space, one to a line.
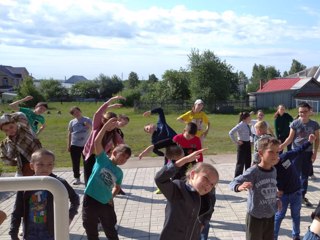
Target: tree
(152,78)
(261,73)
(176,85)
(109,86)
(87,89)
(53,89)
(211,78)
(296,66)
(27,88)
(133,80)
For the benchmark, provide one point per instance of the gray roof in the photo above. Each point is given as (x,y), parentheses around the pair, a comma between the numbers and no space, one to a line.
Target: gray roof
(76,78)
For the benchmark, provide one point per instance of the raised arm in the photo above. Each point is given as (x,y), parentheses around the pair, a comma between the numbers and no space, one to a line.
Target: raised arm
(15,105)
(189,158)
(107,127)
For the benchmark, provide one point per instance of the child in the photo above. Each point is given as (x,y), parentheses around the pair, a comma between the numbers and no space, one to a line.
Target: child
(34,117)
(261,182)
(261,129)
(197,116)
(189,204)
(260,116)
(103,185)
(99,118)
(19,144)
(300,129)
(282,121)
(160,131)
(288,183)
(243,132)
(36,207)
(313,232)
(123,121)
(78,133)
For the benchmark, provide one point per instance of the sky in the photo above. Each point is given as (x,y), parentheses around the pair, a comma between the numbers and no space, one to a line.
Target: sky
(60,38)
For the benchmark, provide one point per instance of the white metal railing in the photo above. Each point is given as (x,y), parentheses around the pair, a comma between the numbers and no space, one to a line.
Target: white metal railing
(60,199)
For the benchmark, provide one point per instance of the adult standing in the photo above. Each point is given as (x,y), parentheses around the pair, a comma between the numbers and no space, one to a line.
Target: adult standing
(300,129)
(78,133)
(282,121)
(199,117)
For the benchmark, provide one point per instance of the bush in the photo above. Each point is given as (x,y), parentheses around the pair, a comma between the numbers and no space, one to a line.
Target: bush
(131,95)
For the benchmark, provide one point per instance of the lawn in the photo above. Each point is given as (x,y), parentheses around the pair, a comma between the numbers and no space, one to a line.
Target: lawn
(54,137)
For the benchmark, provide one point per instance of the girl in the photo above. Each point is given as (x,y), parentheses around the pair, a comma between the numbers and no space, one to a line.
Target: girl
(190,203)
(282,122)
(260,117)
(243,142)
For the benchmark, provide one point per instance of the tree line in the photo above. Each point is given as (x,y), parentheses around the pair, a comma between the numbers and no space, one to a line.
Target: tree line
(206,76)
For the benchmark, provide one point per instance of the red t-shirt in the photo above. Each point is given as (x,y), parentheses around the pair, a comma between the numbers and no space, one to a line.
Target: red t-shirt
(189,146)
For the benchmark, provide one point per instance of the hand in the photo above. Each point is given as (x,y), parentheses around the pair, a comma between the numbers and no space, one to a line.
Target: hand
(111,124)
(147,113)
(279,204)
(311,138)
(141,155)
(68,149)
(195,155)
(281,147)
(245,186)
(279,194)
(239,142)
(116,105)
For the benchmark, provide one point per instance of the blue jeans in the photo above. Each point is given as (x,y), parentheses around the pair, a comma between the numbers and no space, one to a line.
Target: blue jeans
(303,164)
(38,231)
(205,232)
(311,236)
(294,199)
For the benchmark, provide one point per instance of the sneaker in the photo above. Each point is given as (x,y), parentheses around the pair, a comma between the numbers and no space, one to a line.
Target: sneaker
(121,192)
(296,238)
(158,191)
(313,177)
(77,181)
(306,202)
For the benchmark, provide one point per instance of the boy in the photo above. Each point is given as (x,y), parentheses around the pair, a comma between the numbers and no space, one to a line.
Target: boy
(34,117)
(103,185)
(261,182)
(288,183)
(36,207)
(19,144)
(300,129)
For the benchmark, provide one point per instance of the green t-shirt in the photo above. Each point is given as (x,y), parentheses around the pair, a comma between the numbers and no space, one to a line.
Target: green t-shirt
(33,119)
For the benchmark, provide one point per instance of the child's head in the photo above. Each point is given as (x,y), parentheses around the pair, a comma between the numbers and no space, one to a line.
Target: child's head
(149,128)
(260,115)
(190,130)
(268,149)
(8,125)
(174,152)
(75,111)
(41,107)
(261,128)
(198,106)
(120,154)
(107,116)
(304,110)
(203,177)
(42,162)
(123,120)
(244,116)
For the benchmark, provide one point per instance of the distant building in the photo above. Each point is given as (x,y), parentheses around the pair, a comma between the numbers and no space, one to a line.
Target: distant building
(11,77)
(75,79)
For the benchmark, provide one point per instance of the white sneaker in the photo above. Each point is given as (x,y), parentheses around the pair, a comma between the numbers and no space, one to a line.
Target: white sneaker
(77,181)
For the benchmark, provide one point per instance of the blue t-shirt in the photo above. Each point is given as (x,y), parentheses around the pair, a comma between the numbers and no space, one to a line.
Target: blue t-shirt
(302,132)
(79,131)
(105,175)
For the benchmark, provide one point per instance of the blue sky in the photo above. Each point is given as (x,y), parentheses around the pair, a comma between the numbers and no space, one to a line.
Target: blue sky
(60,38)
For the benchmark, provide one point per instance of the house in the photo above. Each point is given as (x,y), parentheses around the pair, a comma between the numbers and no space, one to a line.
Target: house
(11,77)
(285,91)
(308,72)
(75,79)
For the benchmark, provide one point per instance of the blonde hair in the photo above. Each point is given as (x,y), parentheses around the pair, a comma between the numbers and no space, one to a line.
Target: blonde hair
(265,143)
(262,126)
(38,154)
(200,167)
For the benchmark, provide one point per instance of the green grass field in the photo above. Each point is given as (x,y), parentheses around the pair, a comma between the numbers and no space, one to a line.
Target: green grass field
(54,137)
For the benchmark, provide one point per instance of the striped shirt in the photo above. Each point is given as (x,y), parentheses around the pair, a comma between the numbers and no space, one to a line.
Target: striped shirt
(243,132)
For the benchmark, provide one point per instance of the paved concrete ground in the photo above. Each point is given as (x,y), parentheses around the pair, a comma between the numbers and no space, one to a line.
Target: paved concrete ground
(141,212)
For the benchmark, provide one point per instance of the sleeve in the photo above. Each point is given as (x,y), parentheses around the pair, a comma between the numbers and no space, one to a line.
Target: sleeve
(16,216)
(185,117)
(293,153)
(164,182)
(160,113)
(73,198)
(98,116)
(232,133)
(164,143)
(245,177)
(70,126)
(205,118)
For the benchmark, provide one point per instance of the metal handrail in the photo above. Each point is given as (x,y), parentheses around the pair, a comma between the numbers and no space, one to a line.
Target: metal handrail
(60,199)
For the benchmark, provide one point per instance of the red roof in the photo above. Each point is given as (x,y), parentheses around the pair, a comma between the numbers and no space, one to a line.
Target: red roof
(279,84)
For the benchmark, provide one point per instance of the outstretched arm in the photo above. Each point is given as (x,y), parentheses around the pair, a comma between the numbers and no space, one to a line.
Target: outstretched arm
(107,127)
(189,158)
(15,105)
(146,151)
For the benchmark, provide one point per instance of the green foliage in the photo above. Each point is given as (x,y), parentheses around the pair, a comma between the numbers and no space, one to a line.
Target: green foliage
(262,73)
(296,66)
(131,95)
(133,80)
(152,78)
(26,88)
(108,86)
(87,89)
(176,85)
(53,89)
(211,78)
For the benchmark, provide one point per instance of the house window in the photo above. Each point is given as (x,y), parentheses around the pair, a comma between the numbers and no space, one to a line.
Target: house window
(5,81)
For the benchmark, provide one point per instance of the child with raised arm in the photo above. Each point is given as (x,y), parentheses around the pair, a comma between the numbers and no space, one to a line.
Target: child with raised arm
(189,203)
(103,185)
(34,116)
(260,180)
(289,188)
(99,118)
(36,207)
